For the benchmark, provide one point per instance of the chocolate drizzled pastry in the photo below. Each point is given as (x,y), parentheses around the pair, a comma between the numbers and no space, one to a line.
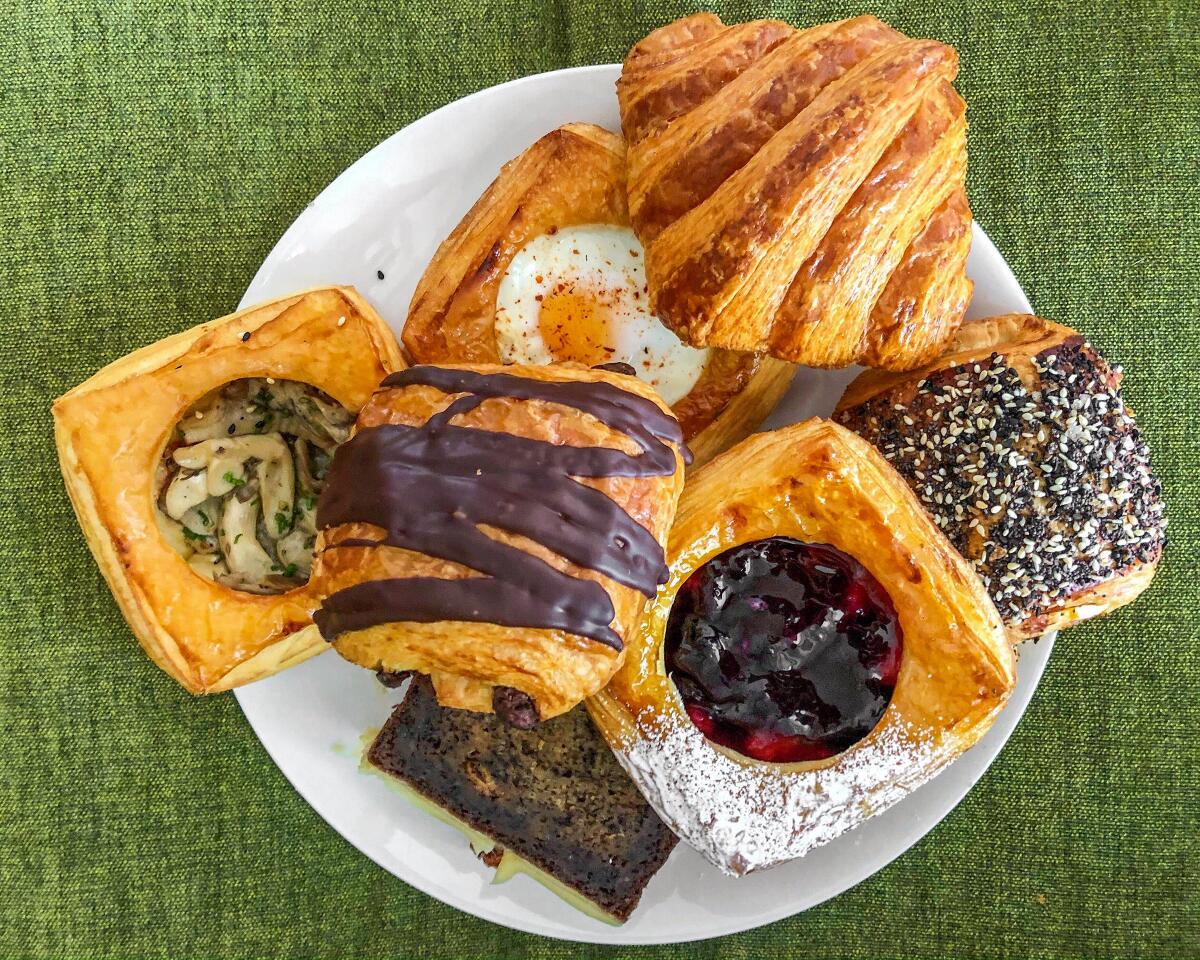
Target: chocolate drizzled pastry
(555,795)
(429,488)
(533,502)
(1020,446)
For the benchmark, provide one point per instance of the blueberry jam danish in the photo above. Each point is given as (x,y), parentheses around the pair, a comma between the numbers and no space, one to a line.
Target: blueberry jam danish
(819,650)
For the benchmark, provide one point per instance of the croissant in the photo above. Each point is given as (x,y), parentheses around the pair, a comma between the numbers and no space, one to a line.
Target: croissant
(819,650)
(1018,443)
(158,451)
(800,192)
(500,529)
(563,194)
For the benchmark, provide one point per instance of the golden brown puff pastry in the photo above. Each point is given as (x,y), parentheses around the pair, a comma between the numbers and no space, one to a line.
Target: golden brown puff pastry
(573,176)
(1018,443)
(111,433)
(800,192)
(843,628)
(499,528)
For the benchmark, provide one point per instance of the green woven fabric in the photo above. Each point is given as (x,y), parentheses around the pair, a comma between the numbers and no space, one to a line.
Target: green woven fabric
(150,155)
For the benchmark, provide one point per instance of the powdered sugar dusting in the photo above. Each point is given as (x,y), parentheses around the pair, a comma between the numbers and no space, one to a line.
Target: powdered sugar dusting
(745,816)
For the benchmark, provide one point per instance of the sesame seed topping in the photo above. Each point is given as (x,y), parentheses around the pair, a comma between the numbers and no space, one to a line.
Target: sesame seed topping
(1057,470)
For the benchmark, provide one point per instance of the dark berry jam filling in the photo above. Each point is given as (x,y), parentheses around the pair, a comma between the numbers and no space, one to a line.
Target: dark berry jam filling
(784,650)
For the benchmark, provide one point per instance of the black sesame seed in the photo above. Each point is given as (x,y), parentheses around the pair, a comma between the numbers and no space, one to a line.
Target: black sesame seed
(1059,470)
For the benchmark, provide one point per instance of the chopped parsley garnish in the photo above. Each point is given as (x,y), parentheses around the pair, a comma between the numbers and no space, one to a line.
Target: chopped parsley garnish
(192,535)
(290,570)
(283,522)
(261,401)
(204,518)
(238,537)
(233,481)
(302,504)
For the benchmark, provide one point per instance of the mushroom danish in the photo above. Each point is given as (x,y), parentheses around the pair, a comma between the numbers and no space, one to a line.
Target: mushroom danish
(241,478)
(194,465)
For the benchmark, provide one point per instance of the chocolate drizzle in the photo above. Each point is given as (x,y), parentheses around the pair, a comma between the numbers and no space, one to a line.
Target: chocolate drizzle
(430,487)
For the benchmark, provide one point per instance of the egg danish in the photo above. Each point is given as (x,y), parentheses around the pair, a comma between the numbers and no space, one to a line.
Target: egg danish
(1019,444)
(544,268)
(194,465)
(500,529)
(800,192)
(819,651)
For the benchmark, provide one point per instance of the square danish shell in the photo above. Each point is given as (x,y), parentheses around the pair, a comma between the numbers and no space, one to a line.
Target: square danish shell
(111,431)
(819,483)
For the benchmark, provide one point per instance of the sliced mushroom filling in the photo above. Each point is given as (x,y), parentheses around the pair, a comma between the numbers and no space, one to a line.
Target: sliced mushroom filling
(239,481)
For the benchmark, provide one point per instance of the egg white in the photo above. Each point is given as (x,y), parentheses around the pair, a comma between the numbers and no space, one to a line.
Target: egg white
(602,264)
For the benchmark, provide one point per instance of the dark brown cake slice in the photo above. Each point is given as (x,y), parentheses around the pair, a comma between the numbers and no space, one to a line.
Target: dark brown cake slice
(553,795)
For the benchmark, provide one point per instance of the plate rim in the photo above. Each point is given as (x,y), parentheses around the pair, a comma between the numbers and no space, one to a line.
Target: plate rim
(494,913)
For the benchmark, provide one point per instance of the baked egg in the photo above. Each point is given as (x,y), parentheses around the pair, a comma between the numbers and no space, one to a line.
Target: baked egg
(580,294)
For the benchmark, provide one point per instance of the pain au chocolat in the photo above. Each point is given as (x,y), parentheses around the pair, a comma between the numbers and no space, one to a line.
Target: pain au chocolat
(545,268)
(819,651)
(800,192)
(500,529)
(1019,444)
(193,465)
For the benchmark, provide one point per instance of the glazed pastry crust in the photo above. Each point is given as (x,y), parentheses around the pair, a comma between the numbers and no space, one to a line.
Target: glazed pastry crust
(798,192)
(572,176)
(819,483)
(1023,343)
(111,430)
(467,659)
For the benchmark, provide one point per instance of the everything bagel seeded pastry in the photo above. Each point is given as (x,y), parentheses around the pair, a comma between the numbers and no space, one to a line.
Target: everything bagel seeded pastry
(1018,443)
(499,528)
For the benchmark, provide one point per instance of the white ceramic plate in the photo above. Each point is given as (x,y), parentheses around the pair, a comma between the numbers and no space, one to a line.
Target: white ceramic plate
(387,213)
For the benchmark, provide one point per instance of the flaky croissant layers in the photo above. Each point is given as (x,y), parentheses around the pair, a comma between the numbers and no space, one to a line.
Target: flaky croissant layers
(800,192)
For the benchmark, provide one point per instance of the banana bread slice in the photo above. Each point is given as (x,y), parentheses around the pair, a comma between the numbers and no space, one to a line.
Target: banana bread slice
(554,795)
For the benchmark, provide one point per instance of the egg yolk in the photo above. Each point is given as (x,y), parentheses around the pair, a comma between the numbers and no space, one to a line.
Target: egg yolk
(576,327)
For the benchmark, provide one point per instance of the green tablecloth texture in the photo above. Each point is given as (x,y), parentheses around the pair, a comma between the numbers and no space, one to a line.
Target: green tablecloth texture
(150,155)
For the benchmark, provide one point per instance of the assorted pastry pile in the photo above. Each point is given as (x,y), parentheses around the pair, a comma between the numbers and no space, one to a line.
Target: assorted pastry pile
(546,513)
